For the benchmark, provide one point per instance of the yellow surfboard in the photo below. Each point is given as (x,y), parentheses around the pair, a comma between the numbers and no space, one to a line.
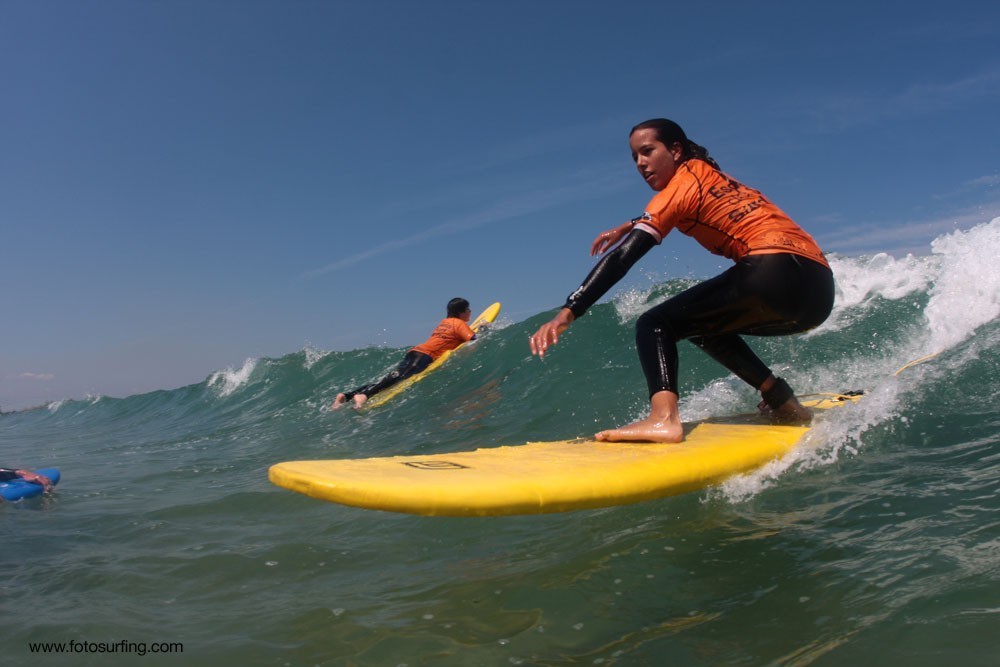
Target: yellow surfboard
(487,316)
(542,477)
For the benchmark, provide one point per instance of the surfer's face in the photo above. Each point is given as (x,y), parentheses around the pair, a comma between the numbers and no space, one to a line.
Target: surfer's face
(655,161)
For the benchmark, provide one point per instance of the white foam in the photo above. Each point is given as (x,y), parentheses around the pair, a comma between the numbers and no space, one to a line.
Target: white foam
(964,289)
(966,294)
(959,275)
(313,355)
(860,281)
(631,303)
(500,323)
(230,379)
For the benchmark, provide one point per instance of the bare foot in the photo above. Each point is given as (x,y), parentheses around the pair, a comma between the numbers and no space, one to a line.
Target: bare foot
(359,400)
(662,425)
(339,401)
(646,430)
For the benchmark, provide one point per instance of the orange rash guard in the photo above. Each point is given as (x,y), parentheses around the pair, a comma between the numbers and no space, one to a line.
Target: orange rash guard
(448,335)
(724,216)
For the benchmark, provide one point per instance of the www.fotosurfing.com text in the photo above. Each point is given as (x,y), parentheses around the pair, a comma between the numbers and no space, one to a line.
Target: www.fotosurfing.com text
(123,647)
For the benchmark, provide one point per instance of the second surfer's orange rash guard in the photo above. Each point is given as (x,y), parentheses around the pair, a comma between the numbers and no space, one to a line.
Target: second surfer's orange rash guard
(724,216)
(448,335)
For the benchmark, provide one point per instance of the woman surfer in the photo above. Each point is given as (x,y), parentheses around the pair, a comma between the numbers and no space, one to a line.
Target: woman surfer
(781,283)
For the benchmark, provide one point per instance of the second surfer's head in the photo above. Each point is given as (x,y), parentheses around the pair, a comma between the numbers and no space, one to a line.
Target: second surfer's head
(457,307)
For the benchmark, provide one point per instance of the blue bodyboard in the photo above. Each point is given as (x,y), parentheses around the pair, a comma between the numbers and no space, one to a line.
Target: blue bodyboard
(16,489)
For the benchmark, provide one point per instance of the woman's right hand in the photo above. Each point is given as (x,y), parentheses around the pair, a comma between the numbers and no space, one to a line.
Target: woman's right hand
(548,333)
(607,240)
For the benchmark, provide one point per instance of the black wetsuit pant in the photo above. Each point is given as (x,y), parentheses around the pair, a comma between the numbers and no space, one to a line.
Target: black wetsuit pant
(414,362)
(762,295)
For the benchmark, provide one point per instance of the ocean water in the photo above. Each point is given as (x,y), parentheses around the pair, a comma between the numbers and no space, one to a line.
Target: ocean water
(876,542)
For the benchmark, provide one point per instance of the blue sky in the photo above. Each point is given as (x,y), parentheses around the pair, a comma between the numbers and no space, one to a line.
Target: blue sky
(187,184)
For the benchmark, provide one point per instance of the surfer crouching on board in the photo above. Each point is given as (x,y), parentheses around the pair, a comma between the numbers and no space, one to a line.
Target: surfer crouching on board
(449,334)
(781,283)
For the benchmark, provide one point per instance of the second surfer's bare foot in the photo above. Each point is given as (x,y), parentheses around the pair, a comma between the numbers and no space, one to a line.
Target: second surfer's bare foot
(359,400)
(645,430)
(339,401)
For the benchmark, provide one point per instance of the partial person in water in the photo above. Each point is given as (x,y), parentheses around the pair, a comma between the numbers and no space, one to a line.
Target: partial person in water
(10,474)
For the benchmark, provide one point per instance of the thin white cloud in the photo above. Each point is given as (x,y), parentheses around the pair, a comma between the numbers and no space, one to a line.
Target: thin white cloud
(974,185)
(842,110)
(41,377)
(989,181)
(935,96)
(512,207)
(559,140)
(910,237)
(521,156)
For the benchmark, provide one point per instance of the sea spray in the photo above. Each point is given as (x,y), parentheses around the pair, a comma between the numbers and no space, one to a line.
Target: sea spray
(966,294)
(230,379)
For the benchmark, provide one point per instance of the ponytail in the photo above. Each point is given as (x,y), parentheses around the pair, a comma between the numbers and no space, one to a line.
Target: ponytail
(693,150)
(669,133)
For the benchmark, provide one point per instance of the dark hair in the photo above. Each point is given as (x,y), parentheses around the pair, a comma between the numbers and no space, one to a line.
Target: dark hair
(670,133)
(457,306)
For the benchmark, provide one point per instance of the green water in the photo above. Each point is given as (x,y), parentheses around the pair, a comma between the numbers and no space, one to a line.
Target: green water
(877,542)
